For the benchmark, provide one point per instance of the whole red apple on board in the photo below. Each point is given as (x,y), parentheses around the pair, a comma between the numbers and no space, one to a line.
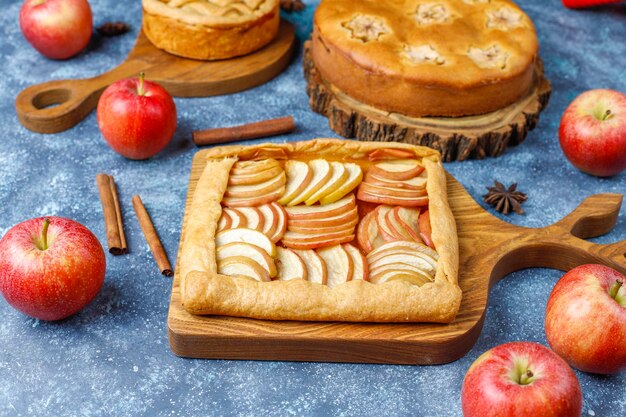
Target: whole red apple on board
(520,379)
(50,268)
(58,29)
(586,319)
(136,117)
(593,132)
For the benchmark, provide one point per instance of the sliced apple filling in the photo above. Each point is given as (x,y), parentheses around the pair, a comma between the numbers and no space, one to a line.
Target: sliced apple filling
(309,209)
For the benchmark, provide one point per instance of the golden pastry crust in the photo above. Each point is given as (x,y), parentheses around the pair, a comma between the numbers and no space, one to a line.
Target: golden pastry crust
(202,29)
(204,291)
(436,58)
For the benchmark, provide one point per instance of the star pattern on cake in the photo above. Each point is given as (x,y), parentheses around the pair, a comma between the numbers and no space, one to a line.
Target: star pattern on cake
(492,57)
(422,54)
(366,28)
(429,13)
(476,1)
(503,18)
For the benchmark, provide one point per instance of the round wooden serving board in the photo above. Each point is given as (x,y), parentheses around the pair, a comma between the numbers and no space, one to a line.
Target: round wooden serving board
(489,250)
(58,105)
(457,138)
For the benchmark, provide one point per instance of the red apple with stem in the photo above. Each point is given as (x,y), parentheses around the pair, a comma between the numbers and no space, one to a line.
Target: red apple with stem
(50,268)
(57,29)
(593,132)
(521,379)
(586,319)
(136,117)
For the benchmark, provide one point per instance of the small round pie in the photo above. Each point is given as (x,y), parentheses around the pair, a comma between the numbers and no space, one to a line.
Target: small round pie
(210,29)
(445,58)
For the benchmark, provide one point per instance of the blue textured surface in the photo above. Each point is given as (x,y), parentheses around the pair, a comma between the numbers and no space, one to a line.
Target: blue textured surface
(113,358)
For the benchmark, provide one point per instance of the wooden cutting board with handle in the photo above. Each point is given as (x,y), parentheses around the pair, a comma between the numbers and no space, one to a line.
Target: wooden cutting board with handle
(58,105)
(490,249)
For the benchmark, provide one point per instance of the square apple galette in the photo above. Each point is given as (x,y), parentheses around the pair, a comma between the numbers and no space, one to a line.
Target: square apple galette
(326,229)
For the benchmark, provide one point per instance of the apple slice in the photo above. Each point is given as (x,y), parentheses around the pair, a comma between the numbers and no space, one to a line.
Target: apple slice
(417,183)
(247,250)
(408,220)
(359,262)
(390,191)
(355,175)
(425,228)
(251,236)
(322,230)
(270,219)
(257,178)
(290,265)
(339,263)
(281,223)
(225,222)
(321,212)
(242,266)
(254,217)
(391,201)
(412,277)
(299,176)
(322,171)
(253,201)
(383,227)
(338,220)
(316,267)
(253,167)
(321,242)
(398,230)
(336,180)
(402,247)
(238,219)
(417,261)
(389,153)
(398,169)
(367,233)
(255,190)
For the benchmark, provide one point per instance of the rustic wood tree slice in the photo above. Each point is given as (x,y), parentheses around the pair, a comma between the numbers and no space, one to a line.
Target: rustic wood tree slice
(457,138)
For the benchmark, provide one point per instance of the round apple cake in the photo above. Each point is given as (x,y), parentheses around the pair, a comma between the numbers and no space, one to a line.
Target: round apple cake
(210,29)
(426,58)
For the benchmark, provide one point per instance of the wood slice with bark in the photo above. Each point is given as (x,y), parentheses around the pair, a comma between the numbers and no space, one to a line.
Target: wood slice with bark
(457,138)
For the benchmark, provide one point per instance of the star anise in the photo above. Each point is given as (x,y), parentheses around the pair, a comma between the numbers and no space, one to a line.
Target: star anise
(504,199)
(110,29)
(292,5)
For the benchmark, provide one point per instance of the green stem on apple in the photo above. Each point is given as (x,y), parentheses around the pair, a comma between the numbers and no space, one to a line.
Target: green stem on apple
(526,377)
(140,89)
(607,114)
(614,290)
(44,234)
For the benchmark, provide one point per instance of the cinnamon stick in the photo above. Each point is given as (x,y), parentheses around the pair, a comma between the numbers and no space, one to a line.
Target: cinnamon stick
(147,227)
(116,239)
(255,130)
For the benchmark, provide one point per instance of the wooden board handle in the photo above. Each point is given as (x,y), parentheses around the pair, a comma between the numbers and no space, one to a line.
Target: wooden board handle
(561,245)
(55,106)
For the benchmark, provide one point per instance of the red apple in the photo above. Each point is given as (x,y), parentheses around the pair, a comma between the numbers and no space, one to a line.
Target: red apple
(136,117)
(50,268)
(586,319)
(593,132)
(521,379)
(58,29)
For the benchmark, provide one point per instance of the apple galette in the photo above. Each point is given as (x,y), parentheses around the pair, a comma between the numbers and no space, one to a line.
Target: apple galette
(321,230)
(426,58)
(210,29)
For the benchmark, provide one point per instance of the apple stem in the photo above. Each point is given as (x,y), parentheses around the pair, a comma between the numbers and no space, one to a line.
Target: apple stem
(140,89)
(607,114)
(524,378)
(44,234)
(615,289)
